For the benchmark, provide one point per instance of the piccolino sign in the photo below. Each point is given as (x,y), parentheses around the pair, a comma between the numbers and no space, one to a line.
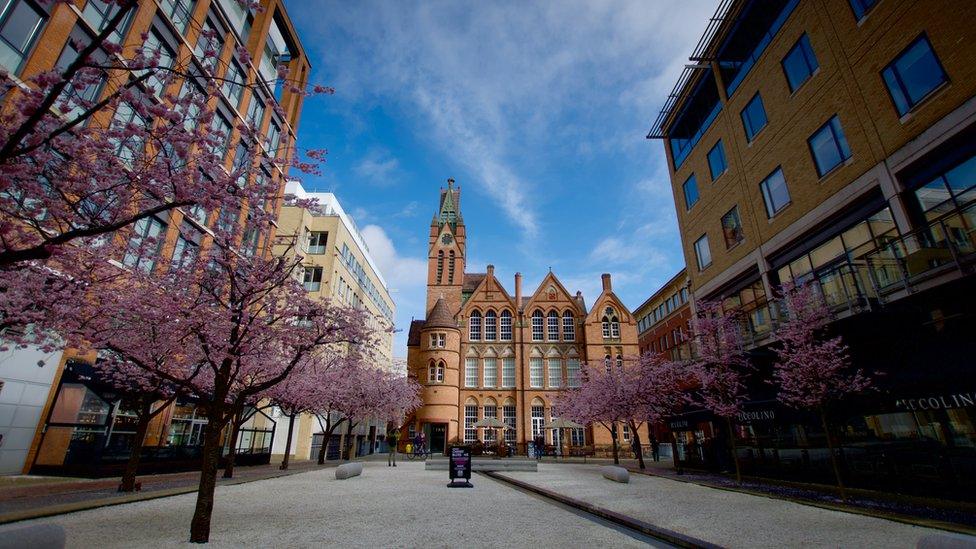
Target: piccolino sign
(940,402)
(748,416)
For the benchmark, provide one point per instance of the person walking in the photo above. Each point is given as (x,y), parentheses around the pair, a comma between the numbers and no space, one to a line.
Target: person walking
(392,440)
(655,448)
(540,443)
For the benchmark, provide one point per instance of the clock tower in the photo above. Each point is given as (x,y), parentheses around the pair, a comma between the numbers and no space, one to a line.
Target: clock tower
(446,251)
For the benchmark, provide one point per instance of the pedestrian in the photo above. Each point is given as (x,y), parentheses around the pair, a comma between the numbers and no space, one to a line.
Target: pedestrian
(540,443)
(392,440)
(655,448)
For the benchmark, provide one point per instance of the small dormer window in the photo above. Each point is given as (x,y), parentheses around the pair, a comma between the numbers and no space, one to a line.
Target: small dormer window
(610,324)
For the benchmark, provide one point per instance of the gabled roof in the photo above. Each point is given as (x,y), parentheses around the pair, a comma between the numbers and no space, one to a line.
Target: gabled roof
(551,279)
(472,281)
(413,335)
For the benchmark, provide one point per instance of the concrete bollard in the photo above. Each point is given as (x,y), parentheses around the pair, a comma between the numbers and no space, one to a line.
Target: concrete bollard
(42,536)
(349,470)
(947,541)
(616,474)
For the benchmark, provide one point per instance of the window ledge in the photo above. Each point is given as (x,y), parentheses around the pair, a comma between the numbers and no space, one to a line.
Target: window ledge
(777,214)
(831,171)
(939,90)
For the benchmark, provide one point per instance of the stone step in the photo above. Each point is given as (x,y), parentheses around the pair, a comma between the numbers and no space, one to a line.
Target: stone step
(486,464)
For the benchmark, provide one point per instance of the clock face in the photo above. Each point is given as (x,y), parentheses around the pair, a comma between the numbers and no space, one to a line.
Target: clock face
(447,239)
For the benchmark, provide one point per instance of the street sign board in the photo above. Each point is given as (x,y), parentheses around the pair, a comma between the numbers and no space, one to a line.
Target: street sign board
(459,466)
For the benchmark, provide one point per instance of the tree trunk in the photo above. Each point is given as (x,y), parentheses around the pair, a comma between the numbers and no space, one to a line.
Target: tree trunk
(291,427)
(735,451)
(833,458)
(200,525)
(349,443)
(638,451)
(128,483)
(613,437)
(232,449)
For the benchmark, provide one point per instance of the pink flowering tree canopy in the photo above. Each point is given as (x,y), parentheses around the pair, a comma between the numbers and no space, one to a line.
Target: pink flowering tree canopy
(812,369)
(721,364)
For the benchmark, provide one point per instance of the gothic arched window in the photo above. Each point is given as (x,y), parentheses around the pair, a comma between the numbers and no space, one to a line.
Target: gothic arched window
(450,268)
(611,324)
(537,332)
(552,326)
(440,265)
(474,324)
(506,325)
(491,326)
(569,326)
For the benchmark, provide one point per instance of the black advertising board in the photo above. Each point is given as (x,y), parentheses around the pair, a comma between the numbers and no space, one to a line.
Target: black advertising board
(459,466)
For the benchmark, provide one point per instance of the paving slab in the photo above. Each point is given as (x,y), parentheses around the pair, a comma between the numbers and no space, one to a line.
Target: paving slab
(404,506)
(722,517)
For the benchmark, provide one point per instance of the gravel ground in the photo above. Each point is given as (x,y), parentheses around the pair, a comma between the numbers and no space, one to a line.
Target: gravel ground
(385,507)
(725,518)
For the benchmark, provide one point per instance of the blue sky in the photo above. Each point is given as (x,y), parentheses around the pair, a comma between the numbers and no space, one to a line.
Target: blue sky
(539,111)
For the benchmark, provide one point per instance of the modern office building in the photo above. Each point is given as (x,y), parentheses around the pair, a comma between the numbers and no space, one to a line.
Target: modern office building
(336,265)
(663,320)
(834,141)
(78,428)
(482,352)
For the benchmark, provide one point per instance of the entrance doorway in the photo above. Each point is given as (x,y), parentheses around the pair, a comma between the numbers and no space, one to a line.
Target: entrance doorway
(436,436)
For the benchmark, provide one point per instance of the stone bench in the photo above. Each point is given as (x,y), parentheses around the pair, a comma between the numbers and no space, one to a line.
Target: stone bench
(41,536)
(616,474)
(349,470)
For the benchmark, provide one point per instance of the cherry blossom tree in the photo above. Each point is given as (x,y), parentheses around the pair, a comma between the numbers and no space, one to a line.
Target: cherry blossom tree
(655,389)
(721,366)
(598,400)
(813,369)
(247,323)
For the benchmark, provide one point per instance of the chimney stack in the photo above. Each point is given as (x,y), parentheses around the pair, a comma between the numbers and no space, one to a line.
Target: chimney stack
(606,283)
(518,290)
(491,271)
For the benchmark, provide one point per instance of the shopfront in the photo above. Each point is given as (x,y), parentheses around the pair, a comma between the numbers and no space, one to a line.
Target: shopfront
(88,432)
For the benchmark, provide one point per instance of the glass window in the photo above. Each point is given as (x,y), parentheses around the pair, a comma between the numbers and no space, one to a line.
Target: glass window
(20,24)
(508,372)
(829,146)
(187,246)
(471,372)
(690,189)
(255,113)
(702,254)
(913,75)
(144,244)
(538,421)
(491,326)
(470,418)
(573,372)
(179,12)
(716,160)
(274,135)
(732,228)
(506,326)
(569,327)
(492,412)
(508,416)
(153,47)
(949,190)
(537,333)
(220,128)
(535,373)
(209,44)
(317,241)
(474,332)
(800,63)
(491,373)
(775,193)
(754,117)
(77,100)
(555,373)
(98,13)
(861,7)
(233,83)
(699,112)
(552,326)
(312,279)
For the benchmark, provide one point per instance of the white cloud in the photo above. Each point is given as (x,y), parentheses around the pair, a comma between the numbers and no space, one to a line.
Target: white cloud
(405,276)
(378,168)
